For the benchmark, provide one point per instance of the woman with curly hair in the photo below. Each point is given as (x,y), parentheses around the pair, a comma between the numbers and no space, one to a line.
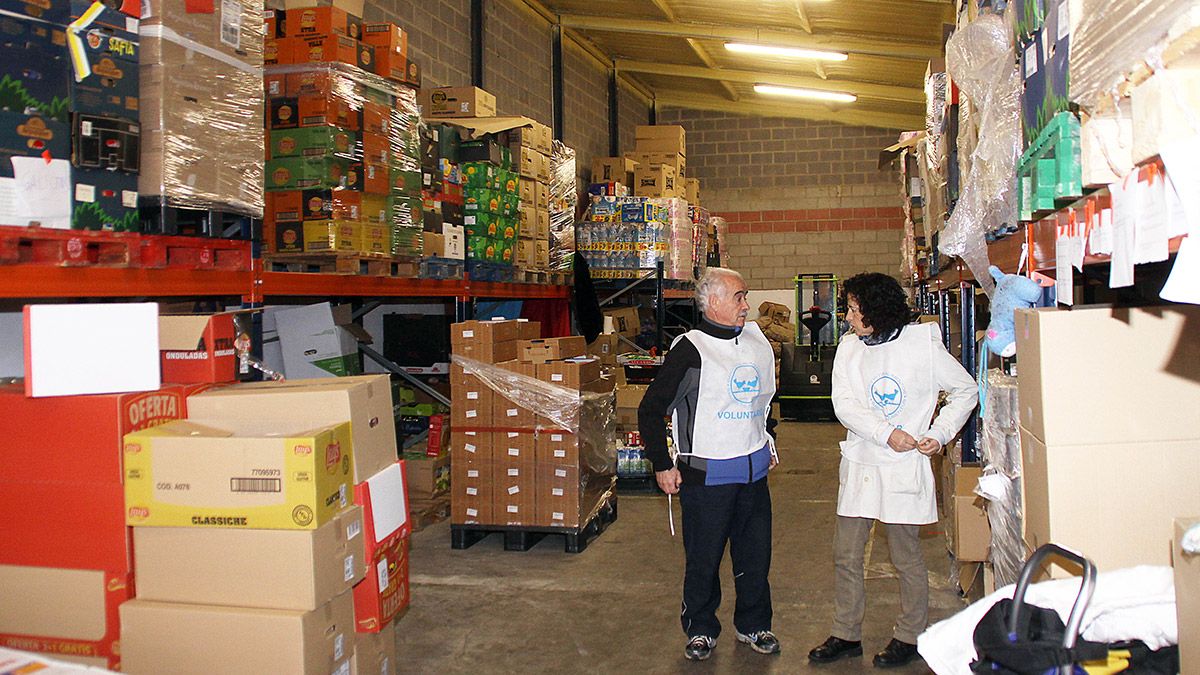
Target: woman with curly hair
(887,375)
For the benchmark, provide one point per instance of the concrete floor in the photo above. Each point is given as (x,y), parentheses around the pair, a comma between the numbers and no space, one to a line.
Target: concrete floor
(614,608)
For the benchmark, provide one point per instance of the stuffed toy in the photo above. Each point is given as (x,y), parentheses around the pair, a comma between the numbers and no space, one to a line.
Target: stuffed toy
(1012,291)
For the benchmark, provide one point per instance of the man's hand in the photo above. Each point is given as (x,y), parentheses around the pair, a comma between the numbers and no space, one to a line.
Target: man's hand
(669,480)
(929,446)
(901,441)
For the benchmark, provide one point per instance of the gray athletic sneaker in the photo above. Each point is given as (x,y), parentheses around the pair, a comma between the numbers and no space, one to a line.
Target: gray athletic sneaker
(699,648)
(763,641)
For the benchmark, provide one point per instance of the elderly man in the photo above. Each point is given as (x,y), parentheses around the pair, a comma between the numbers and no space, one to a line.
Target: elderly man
(716,384)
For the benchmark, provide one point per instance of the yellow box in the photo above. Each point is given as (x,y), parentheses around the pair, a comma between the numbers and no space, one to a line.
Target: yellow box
(246,474)
(333,236)
(377,239)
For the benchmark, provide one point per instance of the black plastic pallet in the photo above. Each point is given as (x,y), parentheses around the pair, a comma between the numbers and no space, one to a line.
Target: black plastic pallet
(160,218)
(442,268)
(525,538)
(646,485)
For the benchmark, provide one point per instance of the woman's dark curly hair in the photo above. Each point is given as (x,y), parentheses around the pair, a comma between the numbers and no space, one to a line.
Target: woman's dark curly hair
(881,301)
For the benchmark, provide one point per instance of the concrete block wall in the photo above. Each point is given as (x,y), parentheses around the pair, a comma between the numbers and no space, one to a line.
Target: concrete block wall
(517,60)
(439,35)
(799,196)
(585,108)
(632,111)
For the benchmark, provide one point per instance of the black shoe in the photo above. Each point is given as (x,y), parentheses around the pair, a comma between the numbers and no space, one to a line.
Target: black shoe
(833,649)
(897,653)
(699,648)
(763,641)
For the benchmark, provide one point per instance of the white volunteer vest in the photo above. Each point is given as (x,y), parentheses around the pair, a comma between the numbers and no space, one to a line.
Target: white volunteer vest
(737,383)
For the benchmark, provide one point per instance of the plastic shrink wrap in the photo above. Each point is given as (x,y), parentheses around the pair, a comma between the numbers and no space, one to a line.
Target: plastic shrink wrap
(1001,454)
(201,110)
(589,415)
(980,60)
(564,200)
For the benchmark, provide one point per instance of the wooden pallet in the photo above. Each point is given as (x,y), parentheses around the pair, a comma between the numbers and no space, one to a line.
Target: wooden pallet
(524,275)
(68,248)
(576,539)
(337,263)
(196,253)
(426,512)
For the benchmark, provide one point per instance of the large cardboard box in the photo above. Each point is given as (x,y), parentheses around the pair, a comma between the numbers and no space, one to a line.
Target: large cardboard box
(671,132)
(972,535)
(271,569)
(470,491)
(68,613)
(384,593)
(1187,597)
(488,352)
(428,477)
(471,403)
(605,347)
(1107,375)
(198,347)
(654,181)
(162,638)
(260,475)
(470,446)
(1163,109)
(514,483)
(375,653)
(319,340)
(384,498)
(365,401)
(552,349)
(613,170)
(495,330)
(625,321)
(1132,489)
(571,373)
(457,102)
(74,525)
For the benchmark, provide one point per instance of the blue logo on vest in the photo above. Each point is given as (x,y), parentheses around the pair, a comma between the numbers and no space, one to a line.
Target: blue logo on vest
(745,383)
(887,394)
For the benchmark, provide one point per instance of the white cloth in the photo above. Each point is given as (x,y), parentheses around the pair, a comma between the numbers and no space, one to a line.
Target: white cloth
(879,388)
(737,383)
(1136,603)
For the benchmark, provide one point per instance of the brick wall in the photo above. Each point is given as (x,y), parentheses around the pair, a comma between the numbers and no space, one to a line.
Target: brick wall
(439,35)
(632,111)
(585,107)
(517,60)
(799,196)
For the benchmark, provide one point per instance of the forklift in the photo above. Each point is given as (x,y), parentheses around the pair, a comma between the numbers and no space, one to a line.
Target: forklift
(806,367)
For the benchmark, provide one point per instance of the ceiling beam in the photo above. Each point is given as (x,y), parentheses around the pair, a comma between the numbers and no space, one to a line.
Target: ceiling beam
(859,44)
(883,120)
(669,15)
(867,89)
(803,16)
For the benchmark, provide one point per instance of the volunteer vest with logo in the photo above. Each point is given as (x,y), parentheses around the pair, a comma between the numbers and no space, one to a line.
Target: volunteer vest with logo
(737,383)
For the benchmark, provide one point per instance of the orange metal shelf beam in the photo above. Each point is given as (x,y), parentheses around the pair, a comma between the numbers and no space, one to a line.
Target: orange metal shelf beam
(300,284)
(44,281)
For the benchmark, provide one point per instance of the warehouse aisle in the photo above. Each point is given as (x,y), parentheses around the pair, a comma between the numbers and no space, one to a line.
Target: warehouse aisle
(614,608)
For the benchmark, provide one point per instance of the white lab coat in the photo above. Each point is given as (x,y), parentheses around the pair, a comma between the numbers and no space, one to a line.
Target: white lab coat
(879,388)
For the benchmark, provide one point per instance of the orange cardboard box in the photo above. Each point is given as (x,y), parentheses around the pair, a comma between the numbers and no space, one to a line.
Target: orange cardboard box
(320,21)
(72,525)
(377,118)
(198,348)
(318,109)
(376,148)
(386,37)
(384,593)
(314,82)
(375,179)
(335,48)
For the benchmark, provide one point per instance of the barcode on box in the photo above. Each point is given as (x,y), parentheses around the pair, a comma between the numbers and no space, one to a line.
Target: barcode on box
(255,485)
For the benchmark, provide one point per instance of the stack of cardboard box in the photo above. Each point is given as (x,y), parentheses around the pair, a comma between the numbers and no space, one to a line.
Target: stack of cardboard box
(625,235)
(661,158)
(1087,476)
(442,192)
(513,465)
(336,33)
(202,106)
(531,147)
(344,172)
(71,119)
(298,479)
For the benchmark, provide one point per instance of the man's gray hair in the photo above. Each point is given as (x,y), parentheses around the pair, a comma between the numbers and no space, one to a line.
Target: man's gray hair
(714,279)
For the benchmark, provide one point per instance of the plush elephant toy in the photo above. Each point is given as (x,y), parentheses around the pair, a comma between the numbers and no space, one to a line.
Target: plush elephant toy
(1012,291)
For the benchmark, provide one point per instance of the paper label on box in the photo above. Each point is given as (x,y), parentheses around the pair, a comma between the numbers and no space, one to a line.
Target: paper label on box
(474,492)
(560,473)
(514,490)
(557,438)
(556,377)
(1064,20)
(339,646)
(472,396)
(85,128)
(472,413)
(85,193)
(557,492)
(514,452)
(1031,64)
(469,333)
(557,515)
(473,512)
(129,199)
(512,508)
(513,434)
(348,567)
(513,412)
(469,448)
(472,473)
(353,530)
(381,571)
(514,472)
(560,454)
(342,495)
(231,23)
(146,13)
(131,24)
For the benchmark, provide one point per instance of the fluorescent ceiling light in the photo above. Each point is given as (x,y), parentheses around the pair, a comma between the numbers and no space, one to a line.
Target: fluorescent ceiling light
(765,50)
(836,96)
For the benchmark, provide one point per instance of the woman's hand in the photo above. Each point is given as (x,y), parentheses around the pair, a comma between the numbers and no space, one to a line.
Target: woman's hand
(901,441)
(929,446)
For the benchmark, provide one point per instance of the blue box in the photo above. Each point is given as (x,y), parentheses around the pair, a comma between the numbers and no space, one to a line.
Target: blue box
(31,136)
(104,200)
(1030,16)
(1045,67)
(105,143)
(35,71)
(111,85)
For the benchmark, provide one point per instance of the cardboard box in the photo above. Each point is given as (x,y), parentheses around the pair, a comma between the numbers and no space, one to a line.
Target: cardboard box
(110,87)
(654,181)
(507,413)
(1163,107)
(613,169)
(384,498)
(384,594)
(321,21)
(674,160)
(262,475)
(38,62)
(605,347)
(364,401)
(457,102)
(514,480)
(625,321)
(1068,489)
(776,312)
(198,348)
(673,146)
(551,349)
(488,352)
(353,7)
(674,133)
(65,613)
(483,331)
(428,477)
(386,37)
(271,569)
(319,341)
(471,492)
(1187,597)
(571,373)
(470,447)
(167,637)
(1136,365)
(691,191)
(972,534)
(541,195)
(375,653)
(630,395)
(471,404)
